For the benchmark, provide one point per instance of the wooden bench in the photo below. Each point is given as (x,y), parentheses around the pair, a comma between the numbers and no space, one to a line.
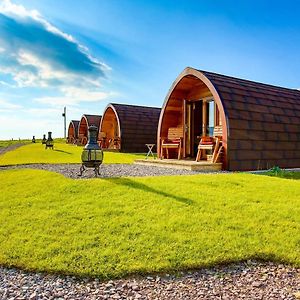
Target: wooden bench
(211,143)
(173,141)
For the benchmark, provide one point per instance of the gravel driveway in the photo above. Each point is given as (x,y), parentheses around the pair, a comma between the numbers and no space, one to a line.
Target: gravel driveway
(251,280)
(109,170)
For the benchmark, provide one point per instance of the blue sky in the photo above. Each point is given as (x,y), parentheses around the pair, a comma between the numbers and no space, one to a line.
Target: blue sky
(85,54)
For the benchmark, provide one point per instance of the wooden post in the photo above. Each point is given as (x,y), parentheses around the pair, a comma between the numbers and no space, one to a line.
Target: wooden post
(184,128)
(64,114)
(204,118)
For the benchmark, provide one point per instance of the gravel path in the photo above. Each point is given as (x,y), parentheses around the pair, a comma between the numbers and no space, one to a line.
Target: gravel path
(10,148)
(109,170)
(251,280)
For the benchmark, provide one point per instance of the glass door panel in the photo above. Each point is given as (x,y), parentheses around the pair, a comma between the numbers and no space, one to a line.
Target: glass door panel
(210,118)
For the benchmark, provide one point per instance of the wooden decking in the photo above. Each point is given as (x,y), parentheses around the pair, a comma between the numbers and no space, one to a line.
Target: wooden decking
(110,150)
(191,165)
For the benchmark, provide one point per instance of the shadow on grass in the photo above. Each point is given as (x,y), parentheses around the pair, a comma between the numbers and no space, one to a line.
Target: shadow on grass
(62,151)
(145,188)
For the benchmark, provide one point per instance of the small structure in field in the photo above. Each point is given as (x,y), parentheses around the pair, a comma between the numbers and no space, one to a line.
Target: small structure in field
(85,122)
(44,140)
(73,132)
(128,128)
(245,125)
(92,154)
(49,141)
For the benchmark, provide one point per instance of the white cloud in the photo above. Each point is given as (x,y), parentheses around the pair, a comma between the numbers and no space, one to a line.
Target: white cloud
(3,83)
(35,53)
(85,95)
(37,58)
(43,111)
(12,9)
(74,96)
(51,111)
(8,106)
(44,71)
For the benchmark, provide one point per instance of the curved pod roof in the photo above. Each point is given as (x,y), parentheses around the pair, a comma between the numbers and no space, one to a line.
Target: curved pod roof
(137,125)
(73,130)
(261,122)
(86,121)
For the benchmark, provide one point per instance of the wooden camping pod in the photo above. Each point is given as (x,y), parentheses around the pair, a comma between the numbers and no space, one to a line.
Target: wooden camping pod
(260,122)
(85,122)
(73,132)
(128,128)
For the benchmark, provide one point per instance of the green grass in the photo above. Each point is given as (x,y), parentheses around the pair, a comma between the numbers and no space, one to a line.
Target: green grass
(62,153)
(10,142)
(115,227)
(283,174)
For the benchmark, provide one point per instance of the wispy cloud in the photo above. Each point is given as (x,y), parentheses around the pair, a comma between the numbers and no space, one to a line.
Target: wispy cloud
(35,53)
(45,112)
(6,84)
(6,106)
(74,96)
(34,126)
(32,121)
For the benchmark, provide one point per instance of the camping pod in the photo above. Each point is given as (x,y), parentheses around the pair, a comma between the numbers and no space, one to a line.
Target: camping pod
(258,124)
(128,128)
(73,132)
(85,122)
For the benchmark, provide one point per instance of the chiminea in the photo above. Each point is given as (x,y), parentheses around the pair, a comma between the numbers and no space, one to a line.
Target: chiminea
(44,139)
(92,154)
(49,141)
(33,139)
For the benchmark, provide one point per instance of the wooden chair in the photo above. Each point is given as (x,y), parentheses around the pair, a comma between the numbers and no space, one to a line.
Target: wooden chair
(173,141)
(114,143)
(72,140)
(213,144)
(102,140)
(218,151)
(79,139)
(82,139)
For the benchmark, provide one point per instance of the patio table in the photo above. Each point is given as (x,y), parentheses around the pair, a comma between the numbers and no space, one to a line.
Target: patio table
(150,147)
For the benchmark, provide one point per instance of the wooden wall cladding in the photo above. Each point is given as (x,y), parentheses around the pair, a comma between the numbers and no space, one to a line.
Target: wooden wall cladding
(263,123)
(138,126)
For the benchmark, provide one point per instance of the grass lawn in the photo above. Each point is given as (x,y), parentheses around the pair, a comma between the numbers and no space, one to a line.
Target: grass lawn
(114,227)
(10,142)
(284,174)
(62,153)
